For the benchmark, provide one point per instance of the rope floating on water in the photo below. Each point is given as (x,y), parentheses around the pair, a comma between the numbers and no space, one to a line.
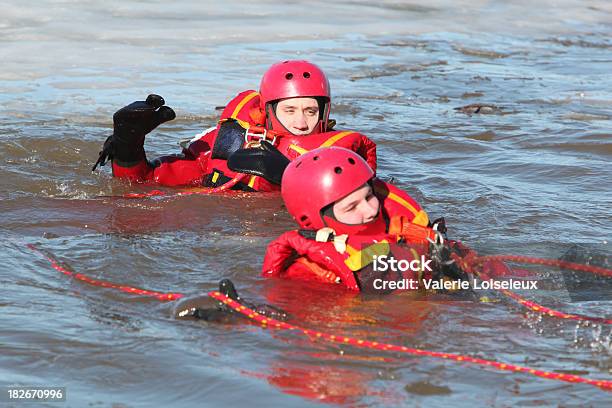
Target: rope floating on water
(164,297)
(314,335)
(536,307)
(525,302)
(470,264)
(597,270)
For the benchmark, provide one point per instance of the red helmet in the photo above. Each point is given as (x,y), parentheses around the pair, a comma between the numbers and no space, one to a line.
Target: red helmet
(294,79)
(319,178)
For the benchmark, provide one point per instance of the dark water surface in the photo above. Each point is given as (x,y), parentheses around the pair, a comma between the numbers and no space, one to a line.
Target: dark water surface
(530,175)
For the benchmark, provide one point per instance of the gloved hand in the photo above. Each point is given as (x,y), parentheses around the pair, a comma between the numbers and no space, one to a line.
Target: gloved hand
(444,257)
(439,224)
(227,287)
(224,313)
(205,308)
(130,125)
(265,161)
(285,249)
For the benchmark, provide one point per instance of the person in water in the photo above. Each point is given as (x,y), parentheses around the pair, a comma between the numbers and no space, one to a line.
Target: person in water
(346,217)
(289,115)
(348,220)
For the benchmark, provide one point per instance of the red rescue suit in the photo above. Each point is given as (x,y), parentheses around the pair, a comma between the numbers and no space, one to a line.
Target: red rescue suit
(296,257)
(204,161)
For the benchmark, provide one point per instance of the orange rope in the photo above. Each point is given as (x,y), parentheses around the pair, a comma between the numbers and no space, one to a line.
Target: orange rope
(471,261)
(106,284)
(314,335)
(531,305)
(597,270)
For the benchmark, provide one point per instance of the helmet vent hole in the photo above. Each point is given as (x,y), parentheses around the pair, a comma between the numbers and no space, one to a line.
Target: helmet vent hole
(338,170)
(351,160)
(315,158)
(306,75)
(289,76)
(298,165)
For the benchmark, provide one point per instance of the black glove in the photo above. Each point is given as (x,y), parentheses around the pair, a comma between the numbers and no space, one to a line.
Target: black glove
(444,266)
(227,287)
(439,224)
(265,161)
(130,125)
(223,312)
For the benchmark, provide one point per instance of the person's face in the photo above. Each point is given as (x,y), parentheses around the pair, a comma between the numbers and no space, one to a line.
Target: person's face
(359,207)
(298,115)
